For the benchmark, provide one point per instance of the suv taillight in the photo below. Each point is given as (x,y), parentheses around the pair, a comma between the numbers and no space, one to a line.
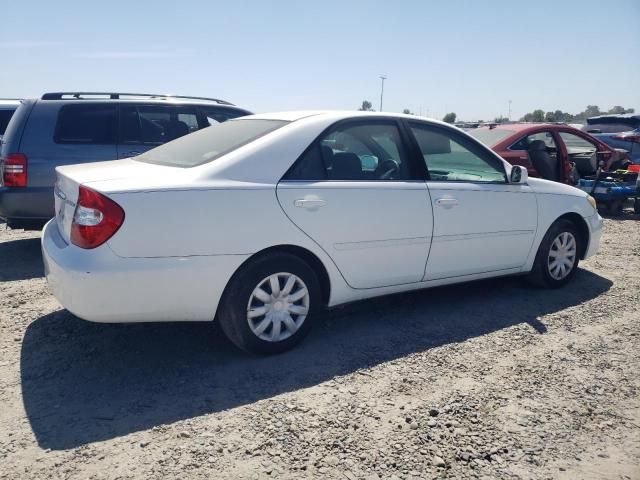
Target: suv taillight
(14,170)
(95,219)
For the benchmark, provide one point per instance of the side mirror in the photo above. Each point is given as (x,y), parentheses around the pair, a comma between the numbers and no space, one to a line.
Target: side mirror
(519,175)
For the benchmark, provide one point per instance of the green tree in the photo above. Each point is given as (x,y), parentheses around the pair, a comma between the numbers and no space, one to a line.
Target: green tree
(407,112)
(592,111)
(449,118)
(366,106)
(617,110)
(537,116)
(500,119)
(550,117)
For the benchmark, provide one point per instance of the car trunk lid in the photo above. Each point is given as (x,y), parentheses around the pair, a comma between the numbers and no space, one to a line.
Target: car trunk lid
(116,173)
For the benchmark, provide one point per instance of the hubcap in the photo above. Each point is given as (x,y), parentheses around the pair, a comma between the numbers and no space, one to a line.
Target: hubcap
(562,255)
(278,307)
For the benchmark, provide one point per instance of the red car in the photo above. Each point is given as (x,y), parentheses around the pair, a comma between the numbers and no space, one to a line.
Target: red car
(548,150)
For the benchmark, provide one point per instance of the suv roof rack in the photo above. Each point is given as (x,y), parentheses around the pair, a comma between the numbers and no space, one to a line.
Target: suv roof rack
(119,95)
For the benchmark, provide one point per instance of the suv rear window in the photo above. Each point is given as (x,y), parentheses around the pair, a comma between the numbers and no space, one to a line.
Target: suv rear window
(207,144)
(86,124)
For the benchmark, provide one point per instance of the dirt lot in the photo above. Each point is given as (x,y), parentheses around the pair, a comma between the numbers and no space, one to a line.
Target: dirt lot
(488,380)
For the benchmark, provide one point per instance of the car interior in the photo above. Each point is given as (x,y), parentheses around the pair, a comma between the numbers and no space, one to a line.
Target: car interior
(542,161)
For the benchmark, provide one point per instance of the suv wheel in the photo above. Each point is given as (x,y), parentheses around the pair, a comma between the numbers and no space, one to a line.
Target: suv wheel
(270,304)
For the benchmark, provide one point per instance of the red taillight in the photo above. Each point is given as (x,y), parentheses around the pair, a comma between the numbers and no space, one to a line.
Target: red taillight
(95,219)
(627,138)
(14,170)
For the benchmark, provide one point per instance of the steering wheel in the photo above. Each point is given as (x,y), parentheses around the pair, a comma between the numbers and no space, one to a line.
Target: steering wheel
(389,168)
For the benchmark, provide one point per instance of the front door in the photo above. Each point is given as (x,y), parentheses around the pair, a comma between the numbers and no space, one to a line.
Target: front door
(357,195)
(481,223)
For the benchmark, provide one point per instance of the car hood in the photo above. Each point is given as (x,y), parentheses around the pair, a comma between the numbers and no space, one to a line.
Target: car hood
(542,186)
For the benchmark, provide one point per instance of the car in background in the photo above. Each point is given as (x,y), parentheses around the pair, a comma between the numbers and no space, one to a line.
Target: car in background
(7,108)
(629,141)
(81,127)
(262,221)
(617,131)
(549,150)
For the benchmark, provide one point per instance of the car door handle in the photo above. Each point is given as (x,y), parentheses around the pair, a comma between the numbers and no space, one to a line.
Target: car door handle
(309,203)
(446,202)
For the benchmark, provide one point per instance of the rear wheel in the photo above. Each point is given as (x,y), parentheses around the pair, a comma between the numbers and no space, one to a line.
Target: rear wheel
(558,256)
(270,304)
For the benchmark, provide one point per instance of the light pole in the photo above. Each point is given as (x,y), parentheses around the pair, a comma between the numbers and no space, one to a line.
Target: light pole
(509,116)
(383,78)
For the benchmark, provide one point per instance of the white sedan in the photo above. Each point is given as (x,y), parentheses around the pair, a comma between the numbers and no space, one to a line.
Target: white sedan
(261,221)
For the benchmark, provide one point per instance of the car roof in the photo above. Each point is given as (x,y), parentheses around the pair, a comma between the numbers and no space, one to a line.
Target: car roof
(336,115)
(120,97)
(10,102)
(520,127)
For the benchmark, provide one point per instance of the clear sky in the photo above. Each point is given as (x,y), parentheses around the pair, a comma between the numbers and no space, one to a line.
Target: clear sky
(466,56)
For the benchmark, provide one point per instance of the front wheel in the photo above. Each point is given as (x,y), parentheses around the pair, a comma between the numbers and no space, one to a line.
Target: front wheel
(558,256)
(270,304)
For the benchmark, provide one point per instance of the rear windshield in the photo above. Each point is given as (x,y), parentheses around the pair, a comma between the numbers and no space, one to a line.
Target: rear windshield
(490,137)
(210,143)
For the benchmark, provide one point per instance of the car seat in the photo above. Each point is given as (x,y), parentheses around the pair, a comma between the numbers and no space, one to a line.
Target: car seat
(542,161)
(346,166)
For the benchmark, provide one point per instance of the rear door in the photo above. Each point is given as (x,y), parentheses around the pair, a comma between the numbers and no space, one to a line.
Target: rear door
(357,193)
(143,127)
(481,223)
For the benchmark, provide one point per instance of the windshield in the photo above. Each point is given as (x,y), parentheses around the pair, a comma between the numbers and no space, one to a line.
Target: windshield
(210,143)
(490,136)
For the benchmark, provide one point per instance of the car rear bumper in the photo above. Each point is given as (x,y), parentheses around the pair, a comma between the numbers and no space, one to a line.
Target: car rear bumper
(99,286)
(26,206)
(595,223)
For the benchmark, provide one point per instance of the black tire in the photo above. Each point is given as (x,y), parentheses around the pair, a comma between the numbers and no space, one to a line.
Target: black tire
(636,205)
(540,275)
(234,305)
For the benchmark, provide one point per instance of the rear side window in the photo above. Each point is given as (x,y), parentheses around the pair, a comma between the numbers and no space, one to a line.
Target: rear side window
(86,124)
(367,151)
(155,124)
(5,116)
(210,143)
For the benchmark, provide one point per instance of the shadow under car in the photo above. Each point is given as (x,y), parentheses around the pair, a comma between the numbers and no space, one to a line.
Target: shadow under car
(84,382)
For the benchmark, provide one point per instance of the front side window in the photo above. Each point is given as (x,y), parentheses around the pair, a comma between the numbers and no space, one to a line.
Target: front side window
(155,124)
(452,157)
(576,144)
(86,124)
(364,151)
(210,143)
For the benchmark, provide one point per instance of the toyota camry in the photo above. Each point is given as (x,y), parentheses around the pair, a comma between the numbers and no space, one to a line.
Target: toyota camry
(261,222)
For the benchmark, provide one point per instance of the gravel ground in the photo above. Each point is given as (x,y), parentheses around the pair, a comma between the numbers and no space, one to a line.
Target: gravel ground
(489,380)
